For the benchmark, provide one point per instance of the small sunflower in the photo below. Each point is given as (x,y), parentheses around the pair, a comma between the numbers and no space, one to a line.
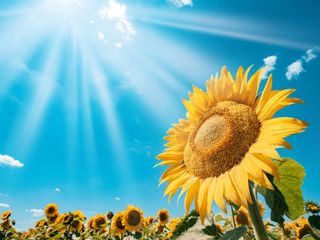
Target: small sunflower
(172,225)
(99,222)
(159,228)
(220,228)
(242,216)
(261,208)
(5,215)
(66,218)
(116,224)
(59,219)
(148,221)
(76,225)
(312,207)
(229,137)
(288,229)
(90,223)
(132,218)
(110,215)
(163,216)
(51,210)
(79,214)
(41,223)
(302,227)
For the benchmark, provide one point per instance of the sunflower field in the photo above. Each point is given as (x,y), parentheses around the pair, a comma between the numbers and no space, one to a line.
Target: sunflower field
(225,151)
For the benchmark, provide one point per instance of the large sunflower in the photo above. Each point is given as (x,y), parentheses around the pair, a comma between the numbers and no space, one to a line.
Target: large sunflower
(132,218)
(229,137)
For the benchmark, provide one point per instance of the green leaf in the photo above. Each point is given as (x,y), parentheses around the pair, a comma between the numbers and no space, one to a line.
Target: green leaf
(314,221)
(291,177)
(276,201)
(234,234)
(218,218)
(188,222)
(211,230)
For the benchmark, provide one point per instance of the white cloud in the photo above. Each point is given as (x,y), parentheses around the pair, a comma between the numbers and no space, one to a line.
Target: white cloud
(4,205)
(269,64)
(10,161)
(57,190)
(294,69)
(36,212)
(117,198)
(118,45)
(181,3)
(100,35)
(116,13)
(310,55)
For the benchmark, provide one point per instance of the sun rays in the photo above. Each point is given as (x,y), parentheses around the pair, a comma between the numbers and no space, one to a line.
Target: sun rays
(80,73)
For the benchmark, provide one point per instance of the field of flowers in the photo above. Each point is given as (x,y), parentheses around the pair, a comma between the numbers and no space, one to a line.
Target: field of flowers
(225,151)
(131,224)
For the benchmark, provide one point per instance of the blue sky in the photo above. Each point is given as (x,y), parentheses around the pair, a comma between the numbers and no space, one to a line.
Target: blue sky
(88,89)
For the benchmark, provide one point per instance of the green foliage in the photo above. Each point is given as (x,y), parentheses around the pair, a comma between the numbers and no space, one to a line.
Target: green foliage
(276,202)
(314,221)
(291,177)
(211,230)
(234,234)
(188,222)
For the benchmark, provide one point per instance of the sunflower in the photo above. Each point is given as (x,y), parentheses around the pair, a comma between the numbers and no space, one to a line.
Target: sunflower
(90,223)
(148,221)
(79,214)
(302,227)
(99,222)
(242,216)
(66,218)
(132,218)
(5,215)
(312,207)
(288,229)
(172,225)
(261,208)
(117,223)
(51,210)
(76,225)
(41,223)
(229,137)
(163,216)
(110,215)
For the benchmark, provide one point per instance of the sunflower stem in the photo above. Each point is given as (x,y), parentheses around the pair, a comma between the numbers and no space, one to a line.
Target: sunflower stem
(257,223)
(232,214)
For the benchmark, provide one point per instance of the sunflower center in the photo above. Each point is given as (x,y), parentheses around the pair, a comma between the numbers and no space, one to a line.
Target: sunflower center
(119,223)
(134,218)
(51,210)
(163,217)
(220,139)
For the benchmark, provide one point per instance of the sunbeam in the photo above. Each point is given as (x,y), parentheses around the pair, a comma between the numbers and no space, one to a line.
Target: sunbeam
(219,26)
(44,84)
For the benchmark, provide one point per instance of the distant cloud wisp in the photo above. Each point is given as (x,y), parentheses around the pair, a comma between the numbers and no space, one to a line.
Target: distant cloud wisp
(269,64)
(181,3)
(296,68)
(57,190)
(4,205)
(36,212)
(116,13)
(10,161)
(310,54)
